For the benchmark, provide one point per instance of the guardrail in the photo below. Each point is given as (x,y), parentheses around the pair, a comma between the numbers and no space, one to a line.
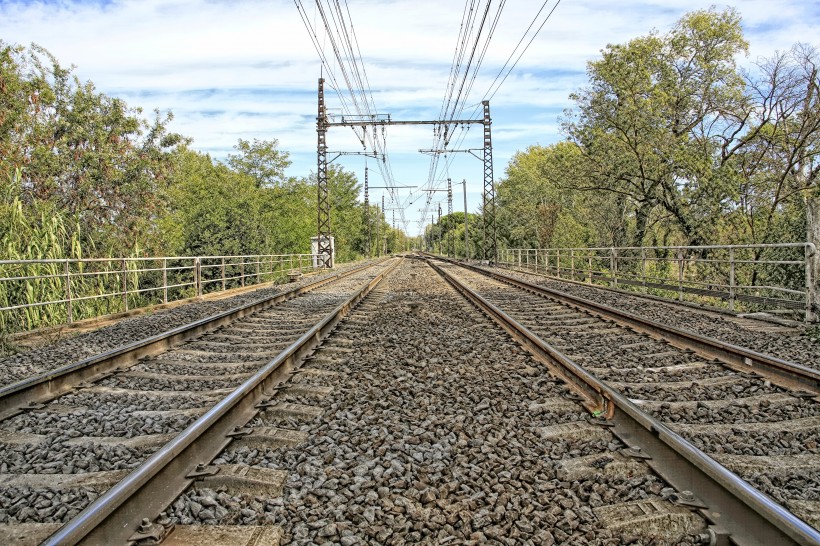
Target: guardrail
(767,277)
(37,293)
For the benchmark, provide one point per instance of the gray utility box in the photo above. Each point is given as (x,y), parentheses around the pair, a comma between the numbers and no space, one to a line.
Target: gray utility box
(314,249)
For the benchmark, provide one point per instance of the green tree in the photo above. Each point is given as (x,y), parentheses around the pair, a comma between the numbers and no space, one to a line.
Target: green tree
(652,124)
(88,154)
(261,160)
(213,211)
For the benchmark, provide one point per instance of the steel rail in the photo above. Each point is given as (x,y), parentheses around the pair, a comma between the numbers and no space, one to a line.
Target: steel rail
(15,398)
(736,511)
(741,359)
(150,488)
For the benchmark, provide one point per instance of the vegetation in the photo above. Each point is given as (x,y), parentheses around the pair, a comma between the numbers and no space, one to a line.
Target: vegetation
(671,143)
(447,236)
(668,143)
(82,175)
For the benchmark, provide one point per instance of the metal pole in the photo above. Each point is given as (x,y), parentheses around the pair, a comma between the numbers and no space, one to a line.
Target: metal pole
(125,284)
(439,229)
(643,269)
(367,211)
(731,279)
(223,272)
(432,233)
(381,221)
(466,238)
(613,265)
(450,249)
(69,311)
(198,276)
(680,274)
(165,280)
(812,300)
(488,213)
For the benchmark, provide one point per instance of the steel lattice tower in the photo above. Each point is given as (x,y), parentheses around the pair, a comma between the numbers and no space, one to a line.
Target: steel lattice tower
(323,197)
(488,213)
(367,211)
(451,241)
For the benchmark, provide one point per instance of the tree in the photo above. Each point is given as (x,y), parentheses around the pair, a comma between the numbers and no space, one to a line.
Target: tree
(651,121)
(538,205)
(213,211)
(89,155)
(261,160)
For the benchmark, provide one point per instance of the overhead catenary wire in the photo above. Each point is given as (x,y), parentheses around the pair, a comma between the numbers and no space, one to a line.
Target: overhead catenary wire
(341,56)
(355,94)
(493,88)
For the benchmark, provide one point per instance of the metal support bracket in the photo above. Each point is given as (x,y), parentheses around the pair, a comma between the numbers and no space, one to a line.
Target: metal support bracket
(634,452)
(683,498)
(202,471)
(239,432)
(149,534)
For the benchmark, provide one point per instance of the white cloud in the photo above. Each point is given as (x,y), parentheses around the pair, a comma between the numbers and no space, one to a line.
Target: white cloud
(247,68)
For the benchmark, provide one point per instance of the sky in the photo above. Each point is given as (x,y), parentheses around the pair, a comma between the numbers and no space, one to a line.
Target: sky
(231,69)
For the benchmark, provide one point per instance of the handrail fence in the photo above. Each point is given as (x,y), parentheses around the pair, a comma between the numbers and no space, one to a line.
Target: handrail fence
(37,293)
(746,278)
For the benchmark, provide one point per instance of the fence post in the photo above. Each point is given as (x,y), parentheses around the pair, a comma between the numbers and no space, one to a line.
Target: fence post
(813,262)
(589,266)
(558,262)
(680,274)
(242,270)
(68,309)
(572,263)
(731,279)
(165,280)
(613,266)
(222,267)
(812,296)
(536,260)
(125,283)
(643,269)
(258,278)
(198,276)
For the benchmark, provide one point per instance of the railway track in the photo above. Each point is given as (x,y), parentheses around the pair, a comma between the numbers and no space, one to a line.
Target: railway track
(387,435)
(755,415)
(403,415)
(71,434)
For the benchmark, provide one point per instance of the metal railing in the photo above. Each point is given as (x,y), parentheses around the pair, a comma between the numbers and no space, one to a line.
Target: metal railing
(765,277)
(37,293)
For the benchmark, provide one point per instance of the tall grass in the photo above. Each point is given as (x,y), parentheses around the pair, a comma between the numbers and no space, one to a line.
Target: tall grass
(37,231)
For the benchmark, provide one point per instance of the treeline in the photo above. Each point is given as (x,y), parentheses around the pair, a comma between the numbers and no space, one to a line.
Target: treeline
(671,143)
(83,174)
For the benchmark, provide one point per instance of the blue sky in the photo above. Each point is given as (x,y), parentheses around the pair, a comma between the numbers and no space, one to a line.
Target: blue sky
(231,69)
